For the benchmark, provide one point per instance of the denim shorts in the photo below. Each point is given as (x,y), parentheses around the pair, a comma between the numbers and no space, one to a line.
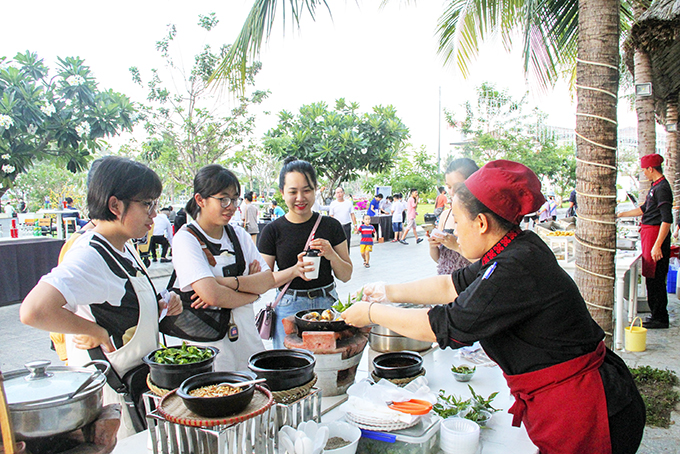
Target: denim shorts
(290,305)
(396,226)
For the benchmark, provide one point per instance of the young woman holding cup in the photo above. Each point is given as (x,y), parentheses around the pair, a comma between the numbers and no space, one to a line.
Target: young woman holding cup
(282,242)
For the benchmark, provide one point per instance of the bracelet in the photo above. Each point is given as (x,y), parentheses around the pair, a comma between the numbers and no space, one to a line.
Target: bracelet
(369,312)
(237,284)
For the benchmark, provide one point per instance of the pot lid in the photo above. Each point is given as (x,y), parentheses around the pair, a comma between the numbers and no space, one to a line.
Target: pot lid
(40,383)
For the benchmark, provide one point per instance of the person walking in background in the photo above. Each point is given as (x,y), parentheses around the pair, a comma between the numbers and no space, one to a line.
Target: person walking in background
(319,202)
(282,242)
(440,202)
(367,231)
(251,215)
(162,235)
(444,248)
(342,209)
(171,214)
(374,209)
(398,208)
(571,210)
(657,218)
(552,204)
(411,214)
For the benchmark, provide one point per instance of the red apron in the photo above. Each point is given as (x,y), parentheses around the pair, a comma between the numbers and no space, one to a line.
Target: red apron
(563,407)
(648,236)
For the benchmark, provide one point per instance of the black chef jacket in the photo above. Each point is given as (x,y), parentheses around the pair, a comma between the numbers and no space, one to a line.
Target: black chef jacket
(658,204)
(525,310)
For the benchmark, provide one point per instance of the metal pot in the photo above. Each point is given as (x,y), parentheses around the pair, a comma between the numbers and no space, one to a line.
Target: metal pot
(382,339)
(45,401)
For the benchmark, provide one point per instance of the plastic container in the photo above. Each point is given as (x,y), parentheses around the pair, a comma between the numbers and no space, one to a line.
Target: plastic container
(672,280)
(423,438)
(635,337)
(459,436)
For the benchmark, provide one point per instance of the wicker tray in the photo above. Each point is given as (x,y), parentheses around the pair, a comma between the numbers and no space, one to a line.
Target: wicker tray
(157,390)
(291,395)
(172,408)
(401,382)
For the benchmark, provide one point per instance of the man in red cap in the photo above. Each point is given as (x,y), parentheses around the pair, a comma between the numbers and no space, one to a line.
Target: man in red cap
(572,394)
(655,238)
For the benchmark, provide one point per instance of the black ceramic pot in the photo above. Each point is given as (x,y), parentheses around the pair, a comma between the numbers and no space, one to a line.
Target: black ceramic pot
(283,369)
(397,365)
(216,407)
(170,376)
(313,325)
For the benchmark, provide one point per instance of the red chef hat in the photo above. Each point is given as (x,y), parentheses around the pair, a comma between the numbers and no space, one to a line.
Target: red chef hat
(507,188)
(651,160)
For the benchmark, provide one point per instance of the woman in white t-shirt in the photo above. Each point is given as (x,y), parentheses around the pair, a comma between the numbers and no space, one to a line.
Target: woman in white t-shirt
(100,294)
(224,285)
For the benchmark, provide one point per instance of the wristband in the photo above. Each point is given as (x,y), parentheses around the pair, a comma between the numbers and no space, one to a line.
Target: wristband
(237,284)
(369,312)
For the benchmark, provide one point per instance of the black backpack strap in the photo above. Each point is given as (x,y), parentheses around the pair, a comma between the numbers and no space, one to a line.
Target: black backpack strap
(240,258)
(133,400)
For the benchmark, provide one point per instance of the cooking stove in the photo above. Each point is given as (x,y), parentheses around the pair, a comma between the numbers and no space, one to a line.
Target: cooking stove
(337,354)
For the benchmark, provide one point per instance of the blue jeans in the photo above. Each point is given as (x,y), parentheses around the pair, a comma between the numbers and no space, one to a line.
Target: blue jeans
(291,304)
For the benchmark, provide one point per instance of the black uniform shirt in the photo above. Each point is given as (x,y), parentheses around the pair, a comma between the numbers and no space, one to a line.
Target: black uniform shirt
(525,310)
(658,205)
(285,240)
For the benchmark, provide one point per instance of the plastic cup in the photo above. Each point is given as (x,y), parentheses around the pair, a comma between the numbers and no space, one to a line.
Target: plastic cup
(459,436)
(314,274)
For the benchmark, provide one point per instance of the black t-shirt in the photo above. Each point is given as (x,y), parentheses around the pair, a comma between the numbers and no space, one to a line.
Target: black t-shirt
(525,310)
(285,240)
(658,205)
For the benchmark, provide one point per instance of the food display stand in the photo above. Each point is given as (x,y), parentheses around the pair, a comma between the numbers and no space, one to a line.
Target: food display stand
(499,437)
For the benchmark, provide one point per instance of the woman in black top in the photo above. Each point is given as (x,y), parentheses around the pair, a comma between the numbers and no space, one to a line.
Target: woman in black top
(283,240)
(529,316)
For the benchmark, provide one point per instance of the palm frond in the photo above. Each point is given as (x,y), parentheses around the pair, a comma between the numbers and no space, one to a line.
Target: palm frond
(256,30)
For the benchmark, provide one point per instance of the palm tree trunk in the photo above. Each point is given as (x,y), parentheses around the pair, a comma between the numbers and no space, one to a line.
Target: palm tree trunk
(597,81)
(672,155)
(644,106)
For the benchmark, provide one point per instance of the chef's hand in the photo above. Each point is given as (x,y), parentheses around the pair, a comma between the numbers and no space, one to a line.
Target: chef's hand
(357,315)
(374,293)
(656,253)
(254,267)
(86,342)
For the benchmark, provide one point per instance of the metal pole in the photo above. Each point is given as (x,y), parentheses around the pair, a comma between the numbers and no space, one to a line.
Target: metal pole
(439,132)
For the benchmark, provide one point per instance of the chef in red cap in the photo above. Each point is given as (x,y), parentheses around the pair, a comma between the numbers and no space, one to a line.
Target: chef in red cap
(657,218)
(572,393)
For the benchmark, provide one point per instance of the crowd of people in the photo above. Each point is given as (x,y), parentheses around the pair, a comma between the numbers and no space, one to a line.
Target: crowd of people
(496,284)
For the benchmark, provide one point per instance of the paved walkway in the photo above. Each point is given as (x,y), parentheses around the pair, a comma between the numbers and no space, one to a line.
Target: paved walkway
(390,262)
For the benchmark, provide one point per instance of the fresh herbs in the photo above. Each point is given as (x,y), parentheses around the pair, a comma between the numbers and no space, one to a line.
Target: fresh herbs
(186,354)
(340,307)
(475,408)
(463,369)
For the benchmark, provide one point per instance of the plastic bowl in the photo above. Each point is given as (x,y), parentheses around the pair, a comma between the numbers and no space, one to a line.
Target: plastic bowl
(463,377)
(346,431)
(459,435)
(216,407)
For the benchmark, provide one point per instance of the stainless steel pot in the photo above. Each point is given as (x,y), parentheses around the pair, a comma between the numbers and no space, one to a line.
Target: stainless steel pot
(45,401)
(382,339)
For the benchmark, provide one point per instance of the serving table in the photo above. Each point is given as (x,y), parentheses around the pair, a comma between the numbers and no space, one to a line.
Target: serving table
(628,264)
(499,437)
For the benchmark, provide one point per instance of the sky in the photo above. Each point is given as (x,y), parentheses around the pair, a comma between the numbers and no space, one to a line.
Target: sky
(363,54)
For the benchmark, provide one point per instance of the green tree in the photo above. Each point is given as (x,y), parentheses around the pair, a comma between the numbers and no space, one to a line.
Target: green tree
(63,118)
(341,142)
(497,127)
(185,121)
(412,169)
(45,179)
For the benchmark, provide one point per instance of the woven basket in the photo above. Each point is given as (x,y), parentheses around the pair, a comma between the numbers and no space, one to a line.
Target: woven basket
(401,382)
(291,395)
